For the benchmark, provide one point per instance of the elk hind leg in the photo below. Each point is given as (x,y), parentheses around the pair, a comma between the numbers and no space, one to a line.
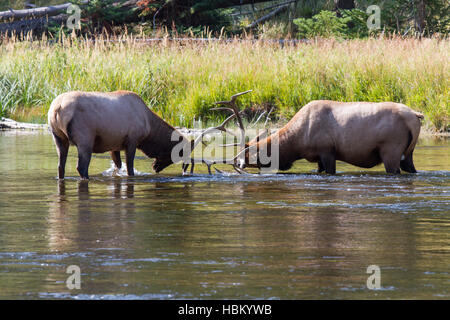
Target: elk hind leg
(62,148)
(407,164)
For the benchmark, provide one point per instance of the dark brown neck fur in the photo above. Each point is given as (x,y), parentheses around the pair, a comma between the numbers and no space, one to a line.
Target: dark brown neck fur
(287,155)
(159,144)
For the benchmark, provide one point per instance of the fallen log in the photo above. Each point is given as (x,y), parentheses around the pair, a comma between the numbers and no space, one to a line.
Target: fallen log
(49,11)
(38,19)
(9,124)
(33,13)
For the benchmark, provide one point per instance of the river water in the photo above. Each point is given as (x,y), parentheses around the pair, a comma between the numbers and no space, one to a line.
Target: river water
(297,235)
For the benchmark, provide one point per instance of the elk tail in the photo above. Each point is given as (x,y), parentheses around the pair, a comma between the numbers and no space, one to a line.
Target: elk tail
(414,131)
(419,115)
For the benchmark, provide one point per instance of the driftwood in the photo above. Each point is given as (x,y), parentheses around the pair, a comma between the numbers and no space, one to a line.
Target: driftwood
(9,124)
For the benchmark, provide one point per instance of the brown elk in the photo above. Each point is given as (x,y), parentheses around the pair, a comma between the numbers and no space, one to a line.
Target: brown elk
(98,122)
(363,134)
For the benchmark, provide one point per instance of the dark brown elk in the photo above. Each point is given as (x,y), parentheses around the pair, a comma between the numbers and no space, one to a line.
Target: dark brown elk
(99,122)
(363,134)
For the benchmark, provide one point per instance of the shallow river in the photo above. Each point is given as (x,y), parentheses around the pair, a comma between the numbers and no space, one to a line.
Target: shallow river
(166,236)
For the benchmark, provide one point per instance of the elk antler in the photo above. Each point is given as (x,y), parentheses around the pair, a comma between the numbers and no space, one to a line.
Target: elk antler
(231,106)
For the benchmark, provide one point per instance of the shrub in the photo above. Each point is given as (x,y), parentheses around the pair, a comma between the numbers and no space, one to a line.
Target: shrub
(327,24)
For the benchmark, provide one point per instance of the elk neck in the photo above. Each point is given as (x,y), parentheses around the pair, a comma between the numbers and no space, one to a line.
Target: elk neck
(287,147)
(158,143)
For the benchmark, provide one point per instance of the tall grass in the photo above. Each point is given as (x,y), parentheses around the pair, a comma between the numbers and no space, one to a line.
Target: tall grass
(180,82)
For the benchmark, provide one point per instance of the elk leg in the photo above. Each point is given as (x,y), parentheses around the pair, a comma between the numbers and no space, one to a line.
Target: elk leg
(115,155)
(390,160)
(130,152)
(84,158)
(62,148)
(321,167)
(407,164)
(329,163)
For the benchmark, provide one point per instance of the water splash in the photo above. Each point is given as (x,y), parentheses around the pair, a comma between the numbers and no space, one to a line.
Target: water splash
(113,171)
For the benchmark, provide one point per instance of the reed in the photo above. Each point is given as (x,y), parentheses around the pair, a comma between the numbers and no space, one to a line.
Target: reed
(180,82)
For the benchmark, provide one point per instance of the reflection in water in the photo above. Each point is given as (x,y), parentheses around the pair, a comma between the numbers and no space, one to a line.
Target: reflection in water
(153,236)
(88,214)
(58,209)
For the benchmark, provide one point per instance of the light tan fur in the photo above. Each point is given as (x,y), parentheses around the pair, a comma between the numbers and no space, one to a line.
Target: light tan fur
(97,122)
(363,134)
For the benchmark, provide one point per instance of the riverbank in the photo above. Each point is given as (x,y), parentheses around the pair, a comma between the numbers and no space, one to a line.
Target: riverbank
(181,81)
(9,124)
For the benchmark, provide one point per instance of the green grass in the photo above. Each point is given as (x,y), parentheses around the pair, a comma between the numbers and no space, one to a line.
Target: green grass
(183,82)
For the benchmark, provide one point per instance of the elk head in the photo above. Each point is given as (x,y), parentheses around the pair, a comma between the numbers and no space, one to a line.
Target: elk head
(241,160)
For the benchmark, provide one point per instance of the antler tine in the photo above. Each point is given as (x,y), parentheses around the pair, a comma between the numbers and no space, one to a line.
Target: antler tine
(239,94)
(268,115)
(220,127)
(239,170)
(235,110)
(222,108)
(259,118)
(229,145)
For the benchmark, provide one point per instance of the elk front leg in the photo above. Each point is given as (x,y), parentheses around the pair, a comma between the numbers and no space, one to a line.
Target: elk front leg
(320,168)
(391,159)
(328,161)
(130,152)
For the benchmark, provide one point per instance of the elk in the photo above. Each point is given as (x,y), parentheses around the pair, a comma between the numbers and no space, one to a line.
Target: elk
(363,134)
(98,122)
